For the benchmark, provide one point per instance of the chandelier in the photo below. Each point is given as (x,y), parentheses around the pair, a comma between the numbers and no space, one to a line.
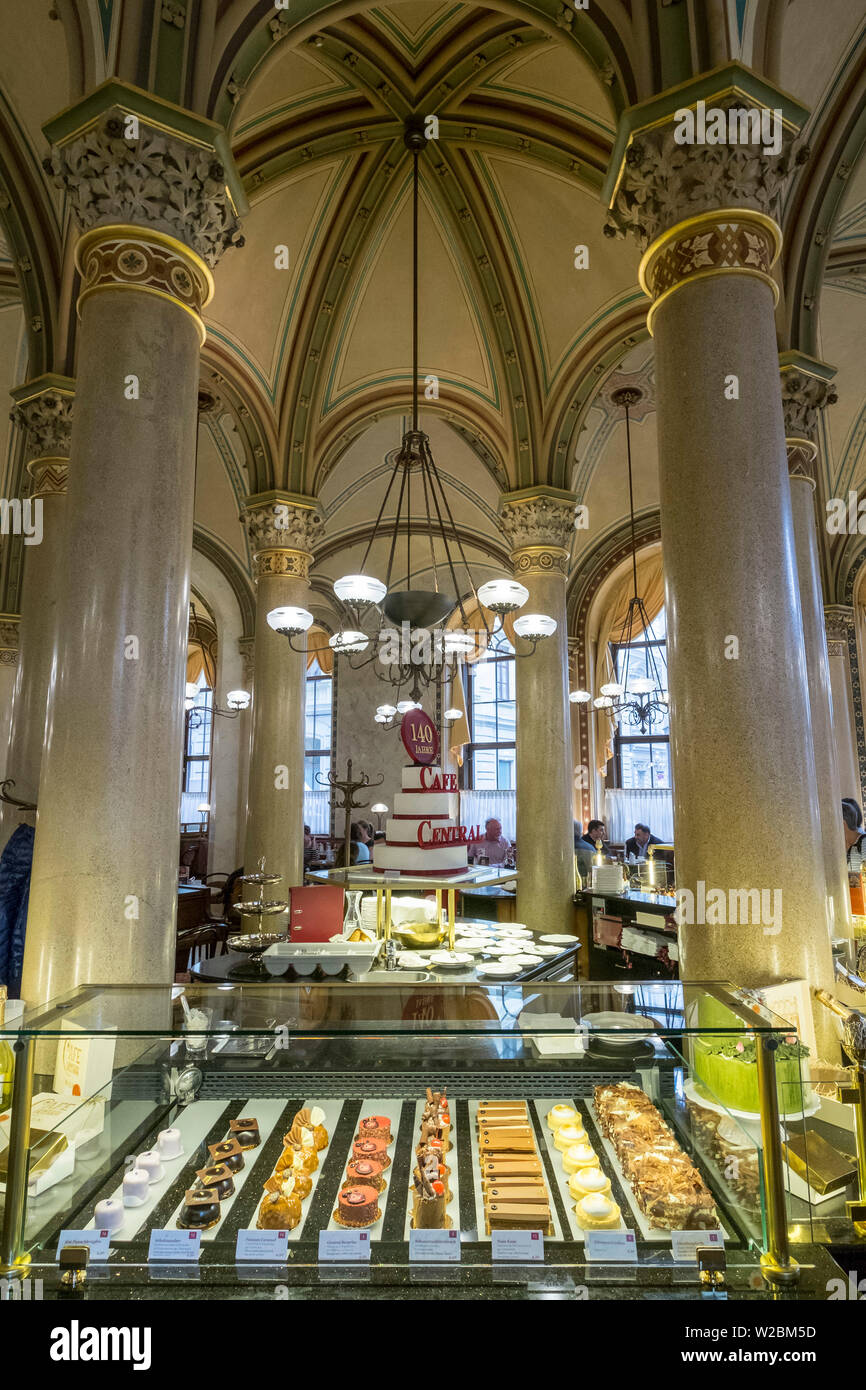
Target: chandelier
(413,634)
(637,699)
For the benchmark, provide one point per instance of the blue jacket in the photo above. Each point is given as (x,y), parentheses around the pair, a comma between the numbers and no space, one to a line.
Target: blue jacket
(15,865)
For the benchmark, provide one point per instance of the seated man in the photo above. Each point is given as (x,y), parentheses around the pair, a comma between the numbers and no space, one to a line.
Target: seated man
(494,847)
(636,846)
(595,831)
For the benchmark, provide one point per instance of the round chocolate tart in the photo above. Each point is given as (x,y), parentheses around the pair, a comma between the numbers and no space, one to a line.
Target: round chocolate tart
(365,1172)
(216,1181)
(229,1153)
(357,1206)
(199,1212)
(246,1132)
(372,1148)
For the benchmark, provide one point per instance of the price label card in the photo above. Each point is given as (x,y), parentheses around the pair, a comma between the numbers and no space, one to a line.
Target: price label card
(97,1242)
(612,1246)
(526,1246)
(262,1245)
(344,1246)
(685,1243)
(174,1245)
(434,1245)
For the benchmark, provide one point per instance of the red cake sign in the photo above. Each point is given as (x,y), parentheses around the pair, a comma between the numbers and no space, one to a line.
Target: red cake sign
(420,736)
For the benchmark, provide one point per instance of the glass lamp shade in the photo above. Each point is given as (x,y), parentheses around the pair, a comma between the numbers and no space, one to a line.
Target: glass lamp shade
(458,643)
(641,685)
(611,688)
(404,706)
(349,641)
(203,808)
(503,595)
(580,697)
(379,808)
(534,626)
(238,699)
(359,589)
(191,691)
(603,702)
(387,710)
(290,620)
(452,714)
(382,718)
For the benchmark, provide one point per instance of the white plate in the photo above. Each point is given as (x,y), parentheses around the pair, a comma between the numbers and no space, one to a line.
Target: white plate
(511,948)
(523,960)
(475,944)
(559,940)
(450,960)
(499,970)
(545,952)
(514,931)
(411,960)
(496,950)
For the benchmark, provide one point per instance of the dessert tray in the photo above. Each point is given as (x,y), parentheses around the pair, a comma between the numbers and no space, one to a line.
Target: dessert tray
(332,956)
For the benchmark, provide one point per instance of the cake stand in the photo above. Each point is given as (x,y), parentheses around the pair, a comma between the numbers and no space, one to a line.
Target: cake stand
(254,943)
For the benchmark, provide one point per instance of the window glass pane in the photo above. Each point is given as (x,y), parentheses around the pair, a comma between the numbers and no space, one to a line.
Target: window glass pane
(492,716)
(643,747)
(318,711)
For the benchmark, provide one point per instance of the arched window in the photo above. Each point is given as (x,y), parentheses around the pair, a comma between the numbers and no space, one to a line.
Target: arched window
(490,763)
(197,749)
(642,756)
(317,745)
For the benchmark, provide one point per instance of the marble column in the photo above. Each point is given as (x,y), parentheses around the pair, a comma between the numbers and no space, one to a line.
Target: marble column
(746,811)
(9,625)
(538,524)
(104,882)
(805,391)
(283,530)
(43,407)
(839,622)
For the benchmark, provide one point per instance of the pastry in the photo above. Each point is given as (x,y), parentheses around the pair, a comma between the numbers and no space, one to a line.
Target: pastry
(135,1185)
(246,1132)
(217,1180)
(429,1202)
(561,1115)
(303,1131)
(375,1127)
(372,1148)
(199,1212)
(529,1166)
(518,1216)
(358,1206)
(517,1191)
(303,1183)
(367,1172)
(505,1141)
(569,1135)
(597,1212)
(579,1156)
(229,1153)
(169,1144)
(295,1159)
(108,1215)
(151,1163)
(279,1211)
(586,1180)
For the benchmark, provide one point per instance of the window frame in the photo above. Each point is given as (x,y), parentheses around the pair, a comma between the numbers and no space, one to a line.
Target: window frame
(199,825)
(466,780)
(644,740)
(328,753)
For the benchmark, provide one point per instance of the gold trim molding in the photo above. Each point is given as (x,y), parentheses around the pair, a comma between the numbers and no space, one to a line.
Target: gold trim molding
(540,559)
(50,476)
(272,564)
(133,258)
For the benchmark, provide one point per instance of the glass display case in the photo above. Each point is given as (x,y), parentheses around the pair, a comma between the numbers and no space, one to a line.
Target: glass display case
(637,1131)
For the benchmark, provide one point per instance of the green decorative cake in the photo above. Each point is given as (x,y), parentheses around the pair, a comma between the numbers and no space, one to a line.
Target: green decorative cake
(726,1070)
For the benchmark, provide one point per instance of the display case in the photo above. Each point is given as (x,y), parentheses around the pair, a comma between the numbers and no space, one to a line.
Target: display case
(590,1118)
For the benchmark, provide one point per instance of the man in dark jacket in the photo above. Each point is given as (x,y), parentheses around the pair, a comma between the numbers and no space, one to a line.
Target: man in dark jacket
(636,846)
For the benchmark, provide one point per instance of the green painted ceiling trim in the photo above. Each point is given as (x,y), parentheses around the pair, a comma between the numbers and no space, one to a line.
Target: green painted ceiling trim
(711,87)
(549,371)
(232,344)
(522,93)
(105,9)
(270,386)
(405,43)
(277,113)
(404,378)
(330,402)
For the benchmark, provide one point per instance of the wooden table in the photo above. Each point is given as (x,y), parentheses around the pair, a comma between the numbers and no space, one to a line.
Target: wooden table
(192,904)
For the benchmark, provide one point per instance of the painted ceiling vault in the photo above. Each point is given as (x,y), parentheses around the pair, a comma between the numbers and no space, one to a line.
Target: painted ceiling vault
(306,369)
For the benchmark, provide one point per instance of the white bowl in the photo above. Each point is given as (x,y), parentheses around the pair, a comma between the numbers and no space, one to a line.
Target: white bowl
(620,1030)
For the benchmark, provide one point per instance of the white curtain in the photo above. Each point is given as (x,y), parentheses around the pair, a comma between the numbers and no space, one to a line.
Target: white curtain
(316,812)
(623,807)
(475,807)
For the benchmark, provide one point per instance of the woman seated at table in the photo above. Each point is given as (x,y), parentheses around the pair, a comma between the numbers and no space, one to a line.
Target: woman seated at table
(359,847)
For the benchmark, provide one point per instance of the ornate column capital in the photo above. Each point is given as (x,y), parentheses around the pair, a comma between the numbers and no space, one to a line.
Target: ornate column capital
(283,530)
(806,389)
(9,631)
(538,523)
(43,407)
(697,176)
(839,620)
(154,190)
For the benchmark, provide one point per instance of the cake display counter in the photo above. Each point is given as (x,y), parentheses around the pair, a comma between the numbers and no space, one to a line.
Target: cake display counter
(568,1113)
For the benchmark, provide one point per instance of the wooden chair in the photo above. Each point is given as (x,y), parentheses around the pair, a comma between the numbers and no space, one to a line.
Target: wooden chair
(193,946)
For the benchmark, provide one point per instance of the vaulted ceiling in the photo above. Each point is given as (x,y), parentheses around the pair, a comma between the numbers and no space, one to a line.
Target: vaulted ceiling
(308,356)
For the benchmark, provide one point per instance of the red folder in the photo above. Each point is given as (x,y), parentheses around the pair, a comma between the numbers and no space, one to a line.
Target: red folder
(315,912)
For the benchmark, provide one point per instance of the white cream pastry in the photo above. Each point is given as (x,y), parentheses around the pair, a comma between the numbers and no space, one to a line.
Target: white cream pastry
(567,1135)
(561,1115)
(597,1213)
(579,1156)
(583,1181)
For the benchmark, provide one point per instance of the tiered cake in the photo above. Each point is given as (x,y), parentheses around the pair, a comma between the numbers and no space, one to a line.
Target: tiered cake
(423,837)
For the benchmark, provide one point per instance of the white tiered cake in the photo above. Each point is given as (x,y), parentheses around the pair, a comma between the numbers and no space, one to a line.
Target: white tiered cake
(423,837)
